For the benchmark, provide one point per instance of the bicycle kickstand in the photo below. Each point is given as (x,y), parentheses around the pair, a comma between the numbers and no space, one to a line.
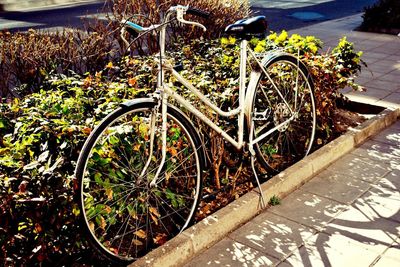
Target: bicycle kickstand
(253,154)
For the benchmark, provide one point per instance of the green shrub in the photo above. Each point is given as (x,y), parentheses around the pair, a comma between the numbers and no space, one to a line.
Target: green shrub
(41,136)
(382,16)
(330,72)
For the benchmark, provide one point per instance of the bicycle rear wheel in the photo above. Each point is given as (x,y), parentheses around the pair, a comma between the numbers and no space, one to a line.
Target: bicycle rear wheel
(284,111)
(125,216)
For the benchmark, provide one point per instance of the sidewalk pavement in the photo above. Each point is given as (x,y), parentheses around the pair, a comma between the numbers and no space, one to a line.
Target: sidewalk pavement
(349,214)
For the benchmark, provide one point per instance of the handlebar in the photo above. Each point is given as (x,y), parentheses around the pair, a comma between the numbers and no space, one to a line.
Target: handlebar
(137,30)
(198,12)
(180,12)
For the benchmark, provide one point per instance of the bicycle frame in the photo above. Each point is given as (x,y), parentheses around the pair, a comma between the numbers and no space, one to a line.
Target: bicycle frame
(245,100)
(238,111)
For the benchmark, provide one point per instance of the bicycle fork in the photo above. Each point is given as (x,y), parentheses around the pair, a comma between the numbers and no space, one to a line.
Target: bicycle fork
(153,120)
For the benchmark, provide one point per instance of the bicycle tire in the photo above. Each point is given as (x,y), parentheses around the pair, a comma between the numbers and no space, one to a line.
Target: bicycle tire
(123,216)
(294,138)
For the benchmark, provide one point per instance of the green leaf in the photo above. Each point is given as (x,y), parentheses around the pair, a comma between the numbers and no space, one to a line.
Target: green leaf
(97,178)
(2,124)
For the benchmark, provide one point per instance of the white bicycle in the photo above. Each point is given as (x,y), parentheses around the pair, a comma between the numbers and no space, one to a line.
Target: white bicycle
(140,170)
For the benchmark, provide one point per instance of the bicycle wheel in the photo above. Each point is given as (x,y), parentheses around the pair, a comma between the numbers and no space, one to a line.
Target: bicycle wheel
(283,113)
(124,215)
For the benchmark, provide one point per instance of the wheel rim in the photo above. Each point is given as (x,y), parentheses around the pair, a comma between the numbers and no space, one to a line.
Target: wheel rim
(126,217)
(294,119)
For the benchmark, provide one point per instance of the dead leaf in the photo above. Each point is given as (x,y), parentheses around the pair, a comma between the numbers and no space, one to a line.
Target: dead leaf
(22,187)
(172,151)
(154,211)
(109,193)
(108,209)
(103,223)
(91,226)
(154,218)
(141,234)
(87,130)
(137,242)
(132,81)
(136,147)
(38,228)
(160,239)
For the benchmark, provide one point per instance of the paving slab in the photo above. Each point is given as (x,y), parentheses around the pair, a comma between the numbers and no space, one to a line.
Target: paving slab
(392,179)
(333,250)
(228,252)
(393,97)
(308,209)
(391,257)
(383,153)
(272,234)
(390,136)
(393,76)
(384,85)
(340,187)
(380,202)
(376,56)
(361,224)
(357,165)
(368,44)
(373,92)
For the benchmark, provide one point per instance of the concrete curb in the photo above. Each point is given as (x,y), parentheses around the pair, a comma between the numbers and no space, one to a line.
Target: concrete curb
(207,232)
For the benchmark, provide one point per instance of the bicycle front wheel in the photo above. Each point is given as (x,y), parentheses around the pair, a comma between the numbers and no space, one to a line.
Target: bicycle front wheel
(283,115)
(125,215)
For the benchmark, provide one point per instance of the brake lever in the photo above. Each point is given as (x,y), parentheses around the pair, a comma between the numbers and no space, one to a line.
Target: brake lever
(179,16)
(193,23)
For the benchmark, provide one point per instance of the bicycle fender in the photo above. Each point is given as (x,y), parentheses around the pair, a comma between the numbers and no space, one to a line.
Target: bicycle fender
(130,103)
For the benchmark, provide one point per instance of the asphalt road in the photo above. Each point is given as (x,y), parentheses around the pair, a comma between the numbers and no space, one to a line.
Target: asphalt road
(55,17)
(281,14)
(292,14)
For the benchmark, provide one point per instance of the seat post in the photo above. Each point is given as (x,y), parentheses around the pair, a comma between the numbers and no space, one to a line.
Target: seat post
(242,86)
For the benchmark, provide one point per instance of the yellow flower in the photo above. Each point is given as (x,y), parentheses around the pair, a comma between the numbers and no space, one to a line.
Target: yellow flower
(272,36)
(282,37)
(109,65)
(310,38)
(224,41)
(232,40)
(295,38)
(259,48)
(313,48)
(228,41)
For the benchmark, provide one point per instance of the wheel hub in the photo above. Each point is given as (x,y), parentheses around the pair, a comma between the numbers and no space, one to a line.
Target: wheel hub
(281,115)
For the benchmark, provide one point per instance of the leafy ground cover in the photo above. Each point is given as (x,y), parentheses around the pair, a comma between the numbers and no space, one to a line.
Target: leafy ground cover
(42,134)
